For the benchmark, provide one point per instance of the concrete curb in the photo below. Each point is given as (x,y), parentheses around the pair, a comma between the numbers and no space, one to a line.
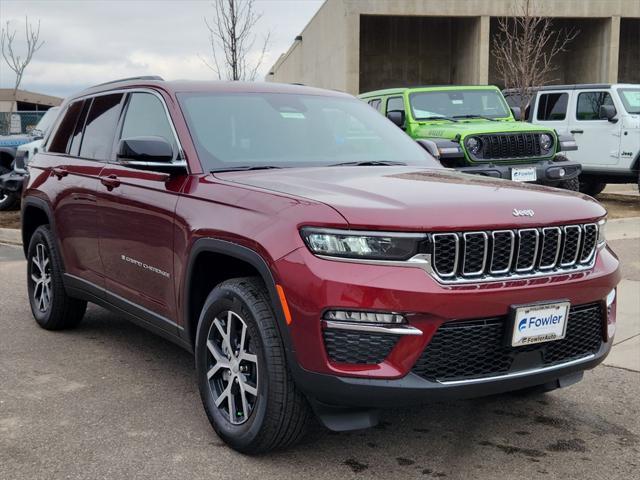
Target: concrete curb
(619,197)
(10,235)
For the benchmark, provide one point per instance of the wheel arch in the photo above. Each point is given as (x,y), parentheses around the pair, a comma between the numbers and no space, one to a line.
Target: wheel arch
(35,212)
(229,260)
(7,156)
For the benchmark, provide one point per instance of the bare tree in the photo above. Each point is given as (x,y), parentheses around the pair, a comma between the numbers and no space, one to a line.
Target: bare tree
(525,47)
(231,38)
(18,63)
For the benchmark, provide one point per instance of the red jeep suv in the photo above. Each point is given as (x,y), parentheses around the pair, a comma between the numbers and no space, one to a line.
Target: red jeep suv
(311,255)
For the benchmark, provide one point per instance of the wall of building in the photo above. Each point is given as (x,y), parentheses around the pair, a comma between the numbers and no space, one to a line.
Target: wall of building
(629,59)
(358,45)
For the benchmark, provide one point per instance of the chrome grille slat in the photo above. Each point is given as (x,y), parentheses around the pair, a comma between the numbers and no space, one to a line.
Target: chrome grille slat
(518,253)
(475,253)
(571,245)
(590,239)
(551,242)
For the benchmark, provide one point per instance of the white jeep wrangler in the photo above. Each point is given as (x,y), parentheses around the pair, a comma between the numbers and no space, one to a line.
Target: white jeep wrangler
(605,122)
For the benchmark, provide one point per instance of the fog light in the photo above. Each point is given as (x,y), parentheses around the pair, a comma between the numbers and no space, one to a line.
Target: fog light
(562,172)
(611,297)
(363,317)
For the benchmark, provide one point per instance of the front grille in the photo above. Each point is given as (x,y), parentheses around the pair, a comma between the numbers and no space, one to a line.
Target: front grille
(358,347)
(500,254)
(510,145)
(462,350)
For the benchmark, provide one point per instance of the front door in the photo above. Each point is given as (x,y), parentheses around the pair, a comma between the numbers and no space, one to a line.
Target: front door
(598,140)
(137,219)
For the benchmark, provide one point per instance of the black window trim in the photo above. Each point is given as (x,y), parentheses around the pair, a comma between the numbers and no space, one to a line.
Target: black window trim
(124,92)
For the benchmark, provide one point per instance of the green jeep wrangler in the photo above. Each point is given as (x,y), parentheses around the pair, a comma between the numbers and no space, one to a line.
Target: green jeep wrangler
(473,130)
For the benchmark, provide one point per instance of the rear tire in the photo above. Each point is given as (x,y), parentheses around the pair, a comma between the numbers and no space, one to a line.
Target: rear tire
(52,308)
(245,384)
(591,187)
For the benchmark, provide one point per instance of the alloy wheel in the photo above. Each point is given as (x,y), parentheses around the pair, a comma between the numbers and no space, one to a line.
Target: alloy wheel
(41,277)
(232,367)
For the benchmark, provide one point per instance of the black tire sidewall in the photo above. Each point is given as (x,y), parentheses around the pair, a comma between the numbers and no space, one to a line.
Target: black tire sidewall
(40,236)
(238,436)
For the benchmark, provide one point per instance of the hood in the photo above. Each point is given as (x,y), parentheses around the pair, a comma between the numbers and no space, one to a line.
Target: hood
(414,198)
(475,127)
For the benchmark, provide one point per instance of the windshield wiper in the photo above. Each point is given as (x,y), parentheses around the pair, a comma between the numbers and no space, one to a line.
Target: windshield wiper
(243,168)
(475,116)
(438,117)
(367,163)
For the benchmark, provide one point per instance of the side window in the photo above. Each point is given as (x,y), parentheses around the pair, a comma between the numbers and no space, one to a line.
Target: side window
(74,148)
(395,103)
(553,106)
(375,103)
(100,127)
(589,104)
(146,117)
(60,138)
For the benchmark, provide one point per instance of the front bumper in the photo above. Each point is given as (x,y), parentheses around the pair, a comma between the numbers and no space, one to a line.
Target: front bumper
(12,182)
(547,172)
(427,306)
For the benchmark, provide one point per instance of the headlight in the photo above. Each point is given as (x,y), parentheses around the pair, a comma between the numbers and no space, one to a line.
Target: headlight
(474,144)
(546,141)
(364,245)
(602,238)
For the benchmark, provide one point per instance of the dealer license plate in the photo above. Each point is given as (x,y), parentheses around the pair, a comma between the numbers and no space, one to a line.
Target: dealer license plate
(527,174)
(539,323)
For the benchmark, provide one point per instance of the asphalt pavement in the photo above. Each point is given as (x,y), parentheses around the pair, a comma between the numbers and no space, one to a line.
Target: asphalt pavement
(109,400)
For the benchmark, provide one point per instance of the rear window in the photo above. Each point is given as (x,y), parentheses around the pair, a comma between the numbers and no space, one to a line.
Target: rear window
(60,138)
(553,106)
(100,128)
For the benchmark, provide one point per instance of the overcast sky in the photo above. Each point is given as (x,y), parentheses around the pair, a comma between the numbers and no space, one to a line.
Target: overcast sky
(93,41)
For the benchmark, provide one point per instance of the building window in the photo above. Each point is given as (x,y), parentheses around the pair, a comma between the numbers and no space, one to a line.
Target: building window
(589,104)
(553,106)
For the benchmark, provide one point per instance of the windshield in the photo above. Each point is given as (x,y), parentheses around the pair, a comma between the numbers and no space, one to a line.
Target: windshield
(47,119)
(286,130)
(631,99)
(458,104)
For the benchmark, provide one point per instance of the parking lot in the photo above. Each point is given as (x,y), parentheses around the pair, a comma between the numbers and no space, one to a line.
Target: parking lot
(110,400)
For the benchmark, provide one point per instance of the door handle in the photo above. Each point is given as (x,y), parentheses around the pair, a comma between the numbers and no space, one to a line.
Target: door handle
(60,172)
(110,181)
(577,131)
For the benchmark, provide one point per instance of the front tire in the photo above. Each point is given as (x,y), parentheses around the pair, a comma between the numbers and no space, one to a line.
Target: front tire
(591,187)
(245,385)
(52,308)
(573,184)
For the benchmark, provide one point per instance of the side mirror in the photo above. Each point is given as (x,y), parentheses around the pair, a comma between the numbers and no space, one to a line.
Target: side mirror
(397,117)
(607,112)
(149,153)
(517,113)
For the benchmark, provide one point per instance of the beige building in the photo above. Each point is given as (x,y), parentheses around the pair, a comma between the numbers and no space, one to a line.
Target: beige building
(362,45)
(26,101)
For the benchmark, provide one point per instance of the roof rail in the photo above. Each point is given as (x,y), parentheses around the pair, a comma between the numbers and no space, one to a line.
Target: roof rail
(144,77)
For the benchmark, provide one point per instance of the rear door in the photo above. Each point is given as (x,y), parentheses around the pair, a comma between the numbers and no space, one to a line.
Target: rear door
(77,152)
(598,140)
(137,217)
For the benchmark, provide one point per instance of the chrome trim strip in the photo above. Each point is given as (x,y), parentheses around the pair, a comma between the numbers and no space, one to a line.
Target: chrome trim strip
(595,243)
(559,243)
(512,236)
(522,373)
(369,328)
(535,250)
(434,238)
(578,247)
(484,255)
